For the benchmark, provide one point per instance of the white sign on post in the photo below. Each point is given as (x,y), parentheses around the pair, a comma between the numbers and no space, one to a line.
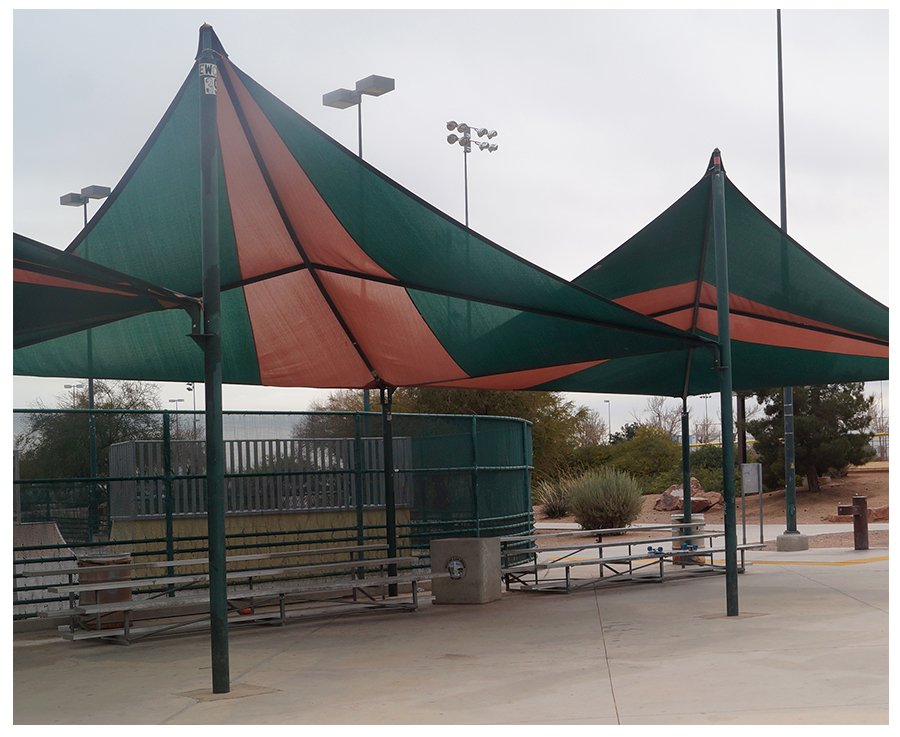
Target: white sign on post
(751,478)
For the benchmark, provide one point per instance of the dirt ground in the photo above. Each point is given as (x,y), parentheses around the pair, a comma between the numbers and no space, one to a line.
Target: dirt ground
(812,509)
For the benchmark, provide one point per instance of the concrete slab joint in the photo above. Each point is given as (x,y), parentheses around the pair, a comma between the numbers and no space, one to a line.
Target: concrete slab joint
(474,567)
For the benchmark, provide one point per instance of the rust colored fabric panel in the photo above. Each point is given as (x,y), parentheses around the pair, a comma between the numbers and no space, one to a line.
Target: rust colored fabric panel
(520,379)
(657,300)
(322,237)
(391,331)
(765,332)
(299,342)
(26,276)
(263,243)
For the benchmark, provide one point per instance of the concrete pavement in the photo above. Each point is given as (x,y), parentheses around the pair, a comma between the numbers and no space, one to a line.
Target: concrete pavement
(810,646)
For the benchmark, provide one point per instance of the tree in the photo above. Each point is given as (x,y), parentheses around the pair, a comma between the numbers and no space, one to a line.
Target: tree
(558,427)
(592,428)
(831,423)
(629,430)
(663,416)
(649,455)
(57,444)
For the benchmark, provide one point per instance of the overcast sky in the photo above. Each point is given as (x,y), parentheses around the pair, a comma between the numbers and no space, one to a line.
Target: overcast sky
(605,118)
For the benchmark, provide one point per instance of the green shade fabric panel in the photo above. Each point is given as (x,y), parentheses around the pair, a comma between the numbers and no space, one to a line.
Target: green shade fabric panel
(57,294)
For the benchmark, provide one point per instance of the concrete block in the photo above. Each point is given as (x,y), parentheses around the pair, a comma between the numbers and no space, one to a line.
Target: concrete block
(791,541)
(474,567)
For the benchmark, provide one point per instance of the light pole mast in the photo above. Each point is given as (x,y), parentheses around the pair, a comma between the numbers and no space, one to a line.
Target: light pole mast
(791,539)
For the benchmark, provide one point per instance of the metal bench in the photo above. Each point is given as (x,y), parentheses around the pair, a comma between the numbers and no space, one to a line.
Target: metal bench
(647,564)
(260,594)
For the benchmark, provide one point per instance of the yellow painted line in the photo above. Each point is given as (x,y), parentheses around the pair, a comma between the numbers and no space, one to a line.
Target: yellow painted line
(811,562)
(755,562)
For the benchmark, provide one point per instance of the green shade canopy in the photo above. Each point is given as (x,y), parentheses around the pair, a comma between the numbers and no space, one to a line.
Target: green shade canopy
(335,276)
(332,274)
(793,322)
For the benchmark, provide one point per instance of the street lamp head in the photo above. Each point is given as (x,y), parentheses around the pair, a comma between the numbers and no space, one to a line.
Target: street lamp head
(451,125)
(95,192)
(341,99)
(452,138)
(73,199)
(374,85)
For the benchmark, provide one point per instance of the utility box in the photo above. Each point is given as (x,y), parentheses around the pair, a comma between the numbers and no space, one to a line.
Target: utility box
(474,567)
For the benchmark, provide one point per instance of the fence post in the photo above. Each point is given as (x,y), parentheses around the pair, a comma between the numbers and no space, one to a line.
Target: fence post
(475,476)
(358,480)
(167,487)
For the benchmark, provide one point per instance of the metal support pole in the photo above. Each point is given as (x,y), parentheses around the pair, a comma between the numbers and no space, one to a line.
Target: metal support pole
(466,181)
(390,504)
(790,472)
(212,351)
(725,384)
(686,459)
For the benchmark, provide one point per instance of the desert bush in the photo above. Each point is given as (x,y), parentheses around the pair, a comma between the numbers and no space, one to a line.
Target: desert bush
(551,495)
(605,498)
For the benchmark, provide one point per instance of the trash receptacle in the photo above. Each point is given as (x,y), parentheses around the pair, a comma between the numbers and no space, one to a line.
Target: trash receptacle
(98,569)
(680,528)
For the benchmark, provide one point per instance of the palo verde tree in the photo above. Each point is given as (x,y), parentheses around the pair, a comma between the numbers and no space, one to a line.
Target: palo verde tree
(831,431)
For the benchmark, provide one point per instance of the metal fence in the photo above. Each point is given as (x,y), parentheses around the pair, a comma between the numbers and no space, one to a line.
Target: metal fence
(455,476)
(262,476)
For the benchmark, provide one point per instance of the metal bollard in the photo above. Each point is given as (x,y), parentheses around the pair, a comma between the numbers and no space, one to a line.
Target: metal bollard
(859,510)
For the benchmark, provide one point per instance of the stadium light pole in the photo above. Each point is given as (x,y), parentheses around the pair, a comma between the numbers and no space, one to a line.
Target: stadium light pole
(465,140)
(609,415)
(375,86)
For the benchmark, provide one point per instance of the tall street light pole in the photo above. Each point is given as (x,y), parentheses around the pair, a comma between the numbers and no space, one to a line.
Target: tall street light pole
(341,99)
(75,199)
(176,401)
(73,387)
(375,86)
(609,414)
(791,539)
(464,139)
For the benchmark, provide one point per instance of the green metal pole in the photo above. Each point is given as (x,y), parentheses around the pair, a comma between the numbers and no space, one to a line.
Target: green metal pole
(390,503)
(167,486)
(212,352)
(790,476)
(725,383)
(475,508)
(686,459)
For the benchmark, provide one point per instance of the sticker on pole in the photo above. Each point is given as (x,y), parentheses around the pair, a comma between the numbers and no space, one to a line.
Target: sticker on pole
(456,567)
(208,73)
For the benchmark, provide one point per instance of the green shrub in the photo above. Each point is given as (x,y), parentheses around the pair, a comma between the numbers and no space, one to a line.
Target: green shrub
(650,455)
(551,495)
(605,498)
